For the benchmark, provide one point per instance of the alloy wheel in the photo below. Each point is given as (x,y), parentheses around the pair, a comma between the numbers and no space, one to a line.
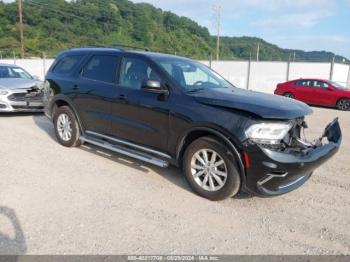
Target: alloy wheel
(344,104)
(64,127)
(209,170)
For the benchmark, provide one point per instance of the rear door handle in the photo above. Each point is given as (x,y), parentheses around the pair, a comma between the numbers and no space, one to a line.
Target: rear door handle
(122,97)
(76,87)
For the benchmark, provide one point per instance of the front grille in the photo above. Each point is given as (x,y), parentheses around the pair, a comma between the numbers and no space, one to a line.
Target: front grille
(27,107)
(31,96)
(276,147)
(18,97)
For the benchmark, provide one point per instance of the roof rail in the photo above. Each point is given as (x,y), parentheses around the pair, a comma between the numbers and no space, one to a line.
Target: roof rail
(121,47)
(131,47)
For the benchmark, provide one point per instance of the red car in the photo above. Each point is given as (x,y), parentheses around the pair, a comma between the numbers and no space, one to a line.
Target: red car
(316,92)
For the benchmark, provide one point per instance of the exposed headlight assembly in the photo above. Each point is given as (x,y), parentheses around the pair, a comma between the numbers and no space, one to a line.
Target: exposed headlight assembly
(3,92)
(268,133)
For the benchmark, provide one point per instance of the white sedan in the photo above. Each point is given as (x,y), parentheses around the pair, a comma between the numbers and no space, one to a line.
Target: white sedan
(19,91)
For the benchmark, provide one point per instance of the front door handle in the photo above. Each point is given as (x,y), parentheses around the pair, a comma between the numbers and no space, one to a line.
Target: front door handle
(76,87)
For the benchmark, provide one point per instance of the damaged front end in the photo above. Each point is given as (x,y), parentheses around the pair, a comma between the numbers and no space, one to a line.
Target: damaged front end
(280,166)
(22,100)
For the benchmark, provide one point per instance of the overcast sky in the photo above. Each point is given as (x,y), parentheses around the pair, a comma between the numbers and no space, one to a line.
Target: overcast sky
(300,24)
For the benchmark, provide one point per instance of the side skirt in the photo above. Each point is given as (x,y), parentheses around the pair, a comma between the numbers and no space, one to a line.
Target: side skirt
(128,149)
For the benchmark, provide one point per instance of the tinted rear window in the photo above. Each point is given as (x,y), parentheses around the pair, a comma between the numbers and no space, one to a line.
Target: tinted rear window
(101,68)
(67,64)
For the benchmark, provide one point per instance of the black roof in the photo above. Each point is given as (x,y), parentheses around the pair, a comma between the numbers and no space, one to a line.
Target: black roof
(118,50)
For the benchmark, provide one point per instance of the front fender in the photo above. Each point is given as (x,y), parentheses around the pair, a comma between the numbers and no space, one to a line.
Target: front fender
(224,136)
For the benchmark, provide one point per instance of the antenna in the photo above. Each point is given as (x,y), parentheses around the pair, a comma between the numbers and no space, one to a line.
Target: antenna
(217,16)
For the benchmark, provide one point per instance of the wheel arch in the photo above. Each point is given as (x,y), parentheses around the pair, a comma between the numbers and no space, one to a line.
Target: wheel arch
(342,97)
(60,101)
(288,92)
(198,132)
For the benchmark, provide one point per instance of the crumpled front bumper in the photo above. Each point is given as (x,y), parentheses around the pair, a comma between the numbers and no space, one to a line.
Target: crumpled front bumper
(21,101)
(274,173)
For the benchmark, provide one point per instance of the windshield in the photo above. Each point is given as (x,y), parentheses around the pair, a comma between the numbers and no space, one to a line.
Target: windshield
(192,76)
(13,72)
(337,85)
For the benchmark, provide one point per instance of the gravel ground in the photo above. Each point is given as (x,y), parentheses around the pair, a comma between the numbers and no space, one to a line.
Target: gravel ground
(55,200)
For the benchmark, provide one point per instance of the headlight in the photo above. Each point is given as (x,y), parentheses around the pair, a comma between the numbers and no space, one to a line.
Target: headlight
(3,92)
(268,133)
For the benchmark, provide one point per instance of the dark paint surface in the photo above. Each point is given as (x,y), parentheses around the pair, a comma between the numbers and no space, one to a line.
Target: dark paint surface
(164,121)
(264,105)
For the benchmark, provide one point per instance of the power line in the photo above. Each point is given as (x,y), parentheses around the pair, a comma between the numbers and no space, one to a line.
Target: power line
(61,13)
(65,11)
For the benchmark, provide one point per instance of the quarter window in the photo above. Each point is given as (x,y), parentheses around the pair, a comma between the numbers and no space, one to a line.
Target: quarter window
(66,64)
(101,68)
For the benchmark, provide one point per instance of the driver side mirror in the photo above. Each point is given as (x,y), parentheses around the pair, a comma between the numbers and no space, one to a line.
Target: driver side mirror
(152,86)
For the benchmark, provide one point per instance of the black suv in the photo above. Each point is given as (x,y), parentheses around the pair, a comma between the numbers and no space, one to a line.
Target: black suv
(164,109)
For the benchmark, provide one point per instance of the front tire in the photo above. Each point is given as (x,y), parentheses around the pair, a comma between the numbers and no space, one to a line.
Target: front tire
(66,127)
(343,104)
(289,95)
(211,169)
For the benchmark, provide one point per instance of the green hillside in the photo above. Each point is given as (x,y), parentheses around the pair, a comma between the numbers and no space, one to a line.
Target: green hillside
(53,25)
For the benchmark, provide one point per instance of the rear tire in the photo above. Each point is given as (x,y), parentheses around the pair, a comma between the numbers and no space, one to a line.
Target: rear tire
(66,127)
(343,104)
(289,95)
(211,169)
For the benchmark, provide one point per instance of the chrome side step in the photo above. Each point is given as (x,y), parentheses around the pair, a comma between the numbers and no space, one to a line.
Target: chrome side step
(125,143)
(126,151)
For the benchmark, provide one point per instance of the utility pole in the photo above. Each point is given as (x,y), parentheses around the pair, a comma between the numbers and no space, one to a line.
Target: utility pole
(21,35)
(217,15)
(288,67)
(258,52)
(348,81)
(332,68)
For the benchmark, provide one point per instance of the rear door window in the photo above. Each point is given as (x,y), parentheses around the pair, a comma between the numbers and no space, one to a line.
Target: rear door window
(303,83)
(101,68)
(320,84)
(67,64)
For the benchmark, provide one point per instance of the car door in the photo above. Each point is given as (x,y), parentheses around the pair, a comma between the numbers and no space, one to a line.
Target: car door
(138,116)
(303,91)
(322,93)
(94,90)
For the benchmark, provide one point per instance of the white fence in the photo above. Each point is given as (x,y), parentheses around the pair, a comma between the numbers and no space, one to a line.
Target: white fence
(258,76)
(264,76)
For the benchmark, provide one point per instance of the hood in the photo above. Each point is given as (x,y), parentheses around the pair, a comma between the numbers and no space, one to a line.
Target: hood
(18,83)
(263,105)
